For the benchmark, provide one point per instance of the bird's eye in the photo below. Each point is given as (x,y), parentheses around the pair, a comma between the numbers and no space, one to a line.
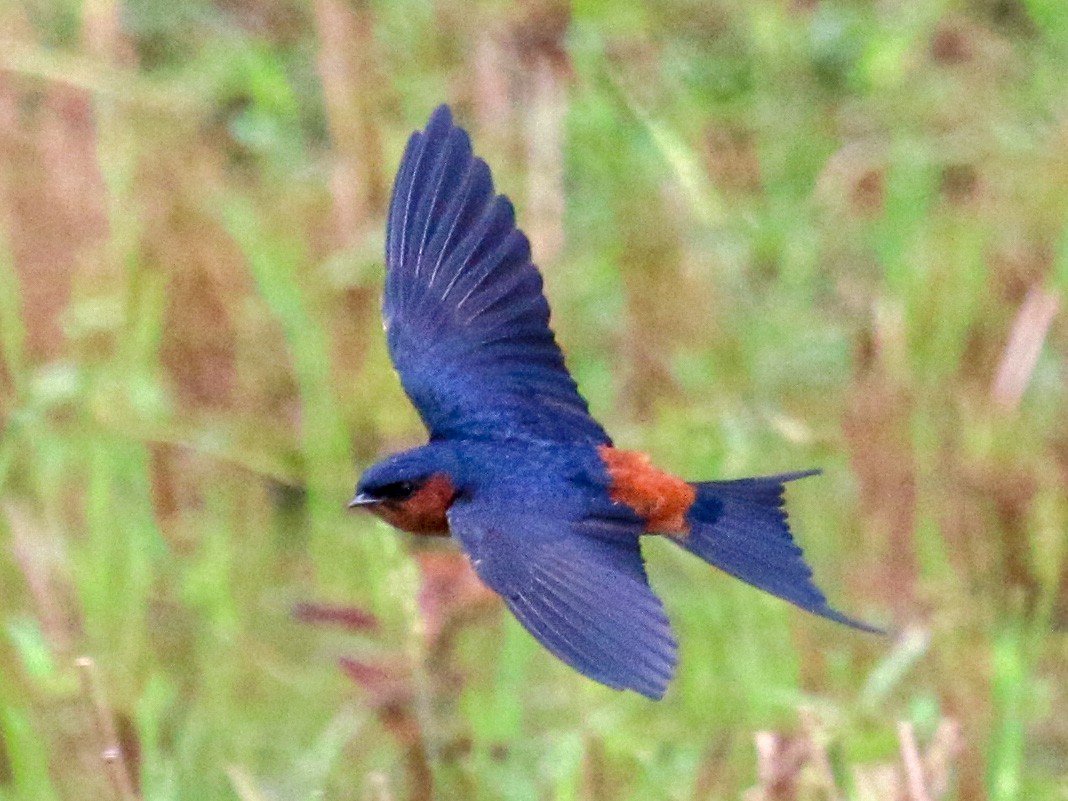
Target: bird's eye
(396,491)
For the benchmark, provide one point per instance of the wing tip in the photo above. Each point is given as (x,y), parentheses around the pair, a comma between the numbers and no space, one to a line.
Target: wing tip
(440,117)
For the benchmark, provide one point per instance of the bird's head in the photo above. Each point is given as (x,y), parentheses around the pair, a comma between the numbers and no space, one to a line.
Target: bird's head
(411,490)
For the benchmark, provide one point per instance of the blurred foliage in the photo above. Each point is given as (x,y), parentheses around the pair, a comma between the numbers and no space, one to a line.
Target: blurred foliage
(775,233)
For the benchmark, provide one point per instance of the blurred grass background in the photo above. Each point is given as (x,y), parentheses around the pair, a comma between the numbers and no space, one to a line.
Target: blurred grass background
(776,234)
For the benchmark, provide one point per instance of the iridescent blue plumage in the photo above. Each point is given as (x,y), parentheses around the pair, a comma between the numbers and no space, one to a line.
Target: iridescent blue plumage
(516,469)
(578,586)
(466,320)
(740,526)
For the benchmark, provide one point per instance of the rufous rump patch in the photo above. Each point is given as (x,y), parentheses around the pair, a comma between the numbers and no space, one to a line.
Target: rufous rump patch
(425,511)
(658,497)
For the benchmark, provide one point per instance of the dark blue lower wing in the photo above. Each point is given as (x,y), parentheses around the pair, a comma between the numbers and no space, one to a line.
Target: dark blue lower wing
(583,595)
(466,319)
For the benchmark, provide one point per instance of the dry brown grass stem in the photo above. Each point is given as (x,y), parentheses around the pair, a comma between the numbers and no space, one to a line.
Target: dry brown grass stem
(912,762)
(111,751)
(1021,352)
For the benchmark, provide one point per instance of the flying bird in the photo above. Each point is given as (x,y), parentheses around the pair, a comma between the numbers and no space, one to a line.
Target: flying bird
(549,512)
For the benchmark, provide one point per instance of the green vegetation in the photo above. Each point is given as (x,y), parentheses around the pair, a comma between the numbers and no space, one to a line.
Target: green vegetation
(775,235)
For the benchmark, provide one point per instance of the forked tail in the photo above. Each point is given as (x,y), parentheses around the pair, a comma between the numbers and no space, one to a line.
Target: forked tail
(740,527)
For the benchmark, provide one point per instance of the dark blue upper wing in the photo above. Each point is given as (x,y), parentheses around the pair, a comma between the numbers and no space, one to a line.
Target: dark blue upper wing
(579,588)
(466,320)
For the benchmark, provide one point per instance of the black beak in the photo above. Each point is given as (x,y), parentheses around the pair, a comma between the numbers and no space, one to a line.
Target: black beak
(363,499)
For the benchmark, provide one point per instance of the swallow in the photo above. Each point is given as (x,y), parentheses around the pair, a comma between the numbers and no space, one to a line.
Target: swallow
(549,512)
